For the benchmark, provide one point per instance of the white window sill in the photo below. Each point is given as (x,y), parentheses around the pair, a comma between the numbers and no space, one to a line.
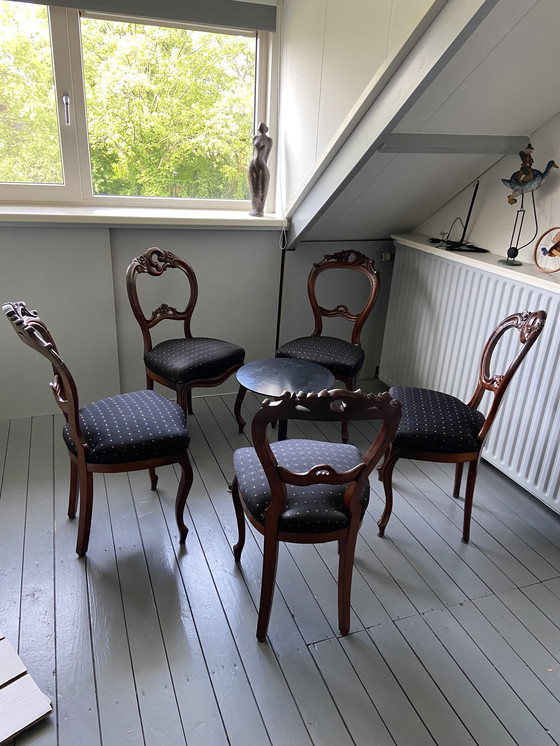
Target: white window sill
(117,216)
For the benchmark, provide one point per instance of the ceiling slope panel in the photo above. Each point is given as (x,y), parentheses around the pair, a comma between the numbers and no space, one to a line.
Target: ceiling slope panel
(498,81)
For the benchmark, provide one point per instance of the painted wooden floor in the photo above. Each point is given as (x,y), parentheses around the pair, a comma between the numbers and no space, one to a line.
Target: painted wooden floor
(144,642)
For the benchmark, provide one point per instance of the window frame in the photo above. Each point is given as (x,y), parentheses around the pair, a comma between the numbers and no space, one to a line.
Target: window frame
(77,187)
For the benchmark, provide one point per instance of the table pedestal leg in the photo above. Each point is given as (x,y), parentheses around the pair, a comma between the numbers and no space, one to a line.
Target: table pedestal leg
(282,429)
(237,407)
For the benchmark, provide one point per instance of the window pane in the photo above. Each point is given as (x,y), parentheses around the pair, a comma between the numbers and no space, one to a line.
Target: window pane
(29,136)
(169,110)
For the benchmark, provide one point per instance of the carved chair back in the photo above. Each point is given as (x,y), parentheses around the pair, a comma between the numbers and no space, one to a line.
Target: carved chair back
(35,334)
(529,325)
(155,262)
(337,405)
(357,262)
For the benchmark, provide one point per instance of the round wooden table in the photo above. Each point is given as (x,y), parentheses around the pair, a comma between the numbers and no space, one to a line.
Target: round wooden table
(272,376)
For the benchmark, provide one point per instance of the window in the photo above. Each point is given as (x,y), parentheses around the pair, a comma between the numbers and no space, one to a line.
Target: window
(103,109)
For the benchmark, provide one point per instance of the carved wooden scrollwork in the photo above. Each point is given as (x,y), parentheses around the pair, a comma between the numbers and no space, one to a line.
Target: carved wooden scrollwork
(347,258)
(155,261)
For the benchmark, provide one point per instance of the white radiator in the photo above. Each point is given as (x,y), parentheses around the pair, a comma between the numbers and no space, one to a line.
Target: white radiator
(440,314)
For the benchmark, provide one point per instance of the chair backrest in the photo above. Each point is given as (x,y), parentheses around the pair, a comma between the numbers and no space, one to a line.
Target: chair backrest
(357,262)
(529,324)
(34,333)
(335,405)
(154,262)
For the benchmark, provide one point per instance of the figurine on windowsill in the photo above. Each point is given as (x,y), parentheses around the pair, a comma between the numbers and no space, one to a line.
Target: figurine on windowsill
(527,179)
(259,174)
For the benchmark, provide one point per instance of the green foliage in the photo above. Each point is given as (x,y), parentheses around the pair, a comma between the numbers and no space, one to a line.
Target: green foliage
(29,142)
(170,111)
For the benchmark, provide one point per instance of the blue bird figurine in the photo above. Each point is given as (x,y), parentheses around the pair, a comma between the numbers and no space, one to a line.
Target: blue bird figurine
(527,179)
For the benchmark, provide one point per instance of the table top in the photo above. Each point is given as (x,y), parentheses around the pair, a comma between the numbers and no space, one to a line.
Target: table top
(272,376)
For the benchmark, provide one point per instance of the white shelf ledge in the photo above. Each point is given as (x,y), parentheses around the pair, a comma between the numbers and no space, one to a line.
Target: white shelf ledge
(118,216)
(526,273)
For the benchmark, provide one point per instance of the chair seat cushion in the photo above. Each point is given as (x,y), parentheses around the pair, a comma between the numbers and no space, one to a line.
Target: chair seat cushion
(131,427)
(183,360)
(314,509)
(436,422)
(342,358)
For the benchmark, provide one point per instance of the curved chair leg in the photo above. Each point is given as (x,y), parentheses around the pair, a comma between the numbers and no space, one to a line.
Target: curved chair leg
(237,407)
(346,549)
(270,562)
(184,398)
(74,490)
(86,508)
(153,478)
(469,495)
(182,493)
(238,548)
(458,478)
(386,476)
(149,383)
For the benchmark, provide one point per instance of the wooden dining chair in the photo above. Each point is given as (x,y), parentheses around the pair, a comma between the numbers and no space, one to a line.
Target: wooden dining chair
(344,358)
(185,362)
(127,432)
(308,491)
(436,426)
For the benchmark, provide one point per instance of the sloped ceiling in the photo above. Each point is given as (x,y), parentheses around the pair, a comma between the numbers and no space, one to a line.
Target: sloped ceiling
(502,79)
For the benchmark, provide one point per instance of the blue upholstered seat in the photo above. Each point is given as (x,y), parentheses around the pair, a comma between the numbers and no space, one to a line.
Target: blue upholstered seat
(131,427)
(316,508)
(434,421)
(342,358)
(184,360)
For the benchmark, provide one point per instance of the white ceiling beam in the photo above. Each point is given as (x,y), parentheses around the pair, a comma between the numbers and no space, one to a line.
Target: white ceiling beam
(469,144)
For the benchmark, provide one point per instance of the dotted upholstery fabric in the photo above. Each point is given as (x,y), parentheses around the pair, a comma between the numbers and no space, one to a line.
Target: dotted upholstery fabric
(434,421)
(314,509)
(184,360)
(131,427)
(340,357)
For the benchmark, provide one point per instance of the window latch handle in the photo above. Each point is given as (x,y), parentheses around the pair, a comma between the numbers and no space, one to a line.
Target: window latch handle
(66,105)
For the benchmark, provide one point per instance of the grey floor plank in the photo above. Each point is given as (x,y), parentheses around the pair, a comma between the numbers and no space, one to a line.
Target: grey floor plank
(196,700)
(544,707)
(37,628)
(236,700)
(159,712)
(539,610)
(537,548)
(13,507)
(437,714)
(449,526)
(154,643)
(360,713)
(477,717)
(404,723)
(77,703)
(520,638)
(486,676)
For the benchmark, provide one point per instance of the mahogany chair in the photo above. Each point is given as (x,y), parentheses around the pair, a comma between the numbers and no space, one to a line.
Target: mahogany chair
(181,363)
(127,432)
(343,358)
(439,427)
(307,491)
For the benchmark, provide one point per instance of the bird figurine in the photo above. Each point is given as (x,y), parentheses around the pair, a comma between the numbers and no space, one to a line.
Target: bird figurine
(527,179)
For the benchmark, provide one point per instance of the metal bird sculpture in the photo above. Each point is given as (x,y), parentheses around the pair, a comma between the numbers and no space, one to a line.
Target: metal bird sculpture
(527,179)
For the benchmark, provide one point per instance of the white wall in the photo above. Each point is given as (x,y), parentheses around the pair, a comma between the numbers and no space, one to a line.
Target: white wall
(65,275)
(74,277)
(493,218)
(330,53)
